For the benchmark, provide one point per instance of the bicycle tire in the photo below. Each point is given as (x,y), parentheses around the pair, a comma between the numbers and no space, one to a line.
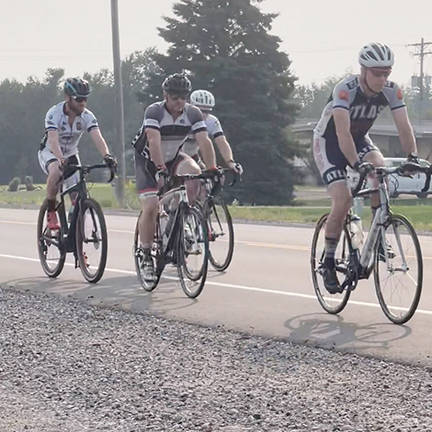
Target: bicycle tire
(386,293)
(42,241)
(331,303)
(201,243)
(212,209)
(100,240)
(148,286)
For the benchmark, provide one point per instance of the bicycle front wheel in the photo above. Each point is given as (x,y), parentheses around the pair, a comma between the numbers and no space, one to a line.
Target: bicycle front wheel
(331,303)
(51,248)
(398,270)
(91,240)
(221,234)
(192,251)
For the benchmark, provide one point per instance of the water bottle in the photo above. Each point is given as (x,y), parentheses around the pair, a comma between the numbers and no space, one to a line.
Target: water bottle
(163,220)
(71,210)
(357,235)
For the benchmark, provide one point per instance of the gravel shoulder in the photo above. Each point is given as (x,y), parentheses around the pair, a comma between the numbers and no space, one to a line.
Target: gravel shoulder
(67,366)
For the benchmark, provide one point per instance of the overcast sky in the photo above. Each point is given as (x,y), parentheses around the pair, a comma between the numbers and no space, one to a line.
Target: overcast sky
(322,38)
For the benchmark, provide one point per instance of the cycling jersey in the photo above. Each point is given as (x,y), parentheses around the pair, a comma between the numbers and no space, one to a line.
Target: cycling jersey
(173,132)
(348,94)
(214,129)
(69,136)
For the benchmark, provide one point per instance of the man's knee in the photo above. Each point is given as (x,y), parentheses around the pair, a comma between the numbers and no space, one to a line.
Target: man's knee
(149,205)
(54,170)
(341,198)
(375,158)
(188,166)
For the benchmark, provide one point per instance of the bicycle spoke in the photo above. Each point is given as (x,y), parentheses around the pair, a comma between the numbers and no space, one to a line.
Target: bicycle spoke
(192,252)
(221,234)
(331,303)
(398,282)
(91,241)
(51,252)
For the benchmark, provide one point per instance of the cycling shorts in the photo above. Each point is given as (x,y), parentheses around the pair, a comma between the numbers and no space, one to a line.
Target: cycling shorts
(330,160)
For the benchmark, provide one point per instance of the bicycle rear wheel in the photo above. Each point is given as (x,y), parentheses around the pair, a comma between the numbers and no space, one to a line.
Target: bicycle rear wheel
(398,270)
(192,251)
(91,240)
(51,249)
(138,259)
(221,234)
(331,303)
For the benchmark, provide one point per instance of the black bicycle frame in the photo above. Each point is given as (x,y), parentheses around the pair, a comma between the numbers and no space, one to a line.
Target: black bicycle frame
(69,239)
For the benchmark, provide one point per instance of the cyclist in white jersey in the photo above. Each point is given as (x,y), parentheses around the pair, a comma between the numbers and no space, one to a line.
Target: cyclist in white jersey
(205,101)
(158,152)
(341,138)
(64,125)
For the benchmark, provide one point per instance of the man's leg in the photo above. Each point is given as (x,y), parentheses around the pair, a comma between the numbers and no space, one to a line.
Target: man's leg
(341,199)
(53,187)
(376,159)
(147,189)
(147,222)
(187,165)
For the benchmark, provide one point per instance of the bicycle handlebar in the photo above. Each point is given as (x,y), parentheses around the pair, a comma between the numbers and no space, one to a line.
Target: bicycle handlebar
(401,170)
(85,169)
(208,175)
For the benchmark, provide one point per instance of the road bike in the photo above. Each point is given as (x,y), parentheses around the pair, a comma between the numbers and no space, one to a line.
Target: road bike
(391,251)
(181,238)
(83,233)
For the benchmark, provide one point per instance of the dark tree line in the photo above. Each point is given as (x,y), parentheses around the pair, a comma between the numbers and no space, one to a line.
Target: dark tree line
(226,47)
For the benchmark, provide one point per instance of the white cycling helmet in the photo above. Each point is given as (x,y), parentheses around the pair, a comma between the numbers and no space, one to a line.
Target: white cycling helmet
(202,99)
(376,55)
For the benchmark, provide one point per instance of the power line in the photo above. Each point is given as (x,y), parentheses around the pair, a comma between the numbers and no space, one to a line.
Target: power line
(422,54)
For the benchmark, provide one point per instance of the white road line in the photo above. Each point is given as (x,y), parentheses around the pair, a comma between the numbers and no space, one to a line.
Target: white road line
(226,285)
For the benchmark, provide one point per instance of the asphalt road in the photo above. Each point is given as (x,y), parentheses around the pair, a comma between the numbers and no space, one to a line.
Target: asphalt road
(266,291)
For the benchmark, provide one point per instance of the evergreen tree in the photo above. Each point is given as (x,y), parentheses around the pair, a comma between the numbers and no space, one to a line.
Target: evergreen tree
(226,48)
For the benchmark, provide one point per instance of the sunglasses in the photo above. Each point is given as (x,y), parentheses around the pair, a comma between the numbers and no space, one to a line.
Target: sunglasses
(380,73)
(79,99)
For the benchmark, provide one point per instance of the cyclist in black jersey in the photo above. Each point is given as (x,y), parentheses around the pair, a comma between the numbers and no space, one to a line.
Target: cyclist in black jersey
(158,152)
(341,138)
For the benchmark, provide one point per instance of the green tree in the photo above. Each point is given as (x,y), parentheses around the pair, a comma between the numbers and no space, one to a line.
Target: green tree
(226,48)
(21,128)
(313,98)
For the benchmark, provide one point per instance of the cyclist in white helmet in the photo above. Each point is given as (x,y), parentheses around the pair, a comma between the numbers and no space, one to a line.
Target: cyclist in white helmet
(341,138)
(205,101)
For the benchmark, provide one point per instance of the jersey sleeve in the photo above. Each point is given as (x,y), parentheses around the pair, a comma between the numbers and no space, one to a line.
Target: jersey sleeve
(341,95)
(152,117)
(91,121)
(196,118)
(394,95)
(214,128)
(51,119)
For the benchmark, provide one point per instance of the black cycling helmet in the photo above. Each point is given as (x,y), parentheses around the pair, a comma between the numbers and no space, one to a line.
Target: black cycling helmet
(177,84)
(77,87)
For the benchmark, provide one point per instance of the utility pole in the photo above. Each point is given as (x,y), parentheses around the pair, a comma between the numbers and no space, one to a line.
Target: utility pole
(421,47)
(120,183)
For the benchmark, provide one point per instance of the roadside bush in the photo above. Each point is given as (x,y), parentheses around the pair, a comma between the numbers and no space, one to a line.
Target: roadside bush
(28,181)
(14,184)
